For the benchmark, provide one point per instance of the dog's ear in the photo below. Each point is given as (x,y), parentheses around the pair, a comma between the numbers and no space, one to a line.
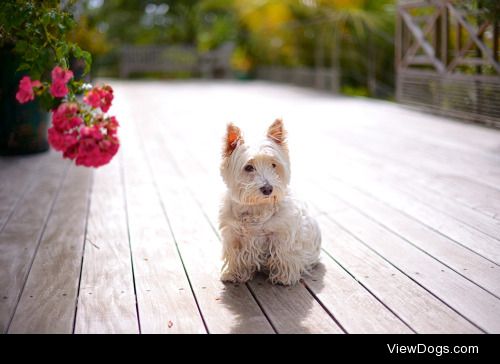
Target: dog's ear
(232,139)
(277,132)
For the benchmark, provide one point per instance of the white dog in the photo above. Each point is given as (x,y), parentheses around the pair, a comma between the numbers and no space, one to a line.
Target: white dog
(262,227)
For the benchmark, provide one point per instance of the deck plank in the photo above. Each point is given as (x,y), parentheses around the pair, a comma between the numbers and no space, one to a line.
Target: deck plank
(354,307)
(48,305)
(419,184)
(462,233)
(413,304)
(20,238)
(461,260)
(476,304)
(165,301)
(429,131)
(292,310)
(16,174)
(106,301)
(436,159)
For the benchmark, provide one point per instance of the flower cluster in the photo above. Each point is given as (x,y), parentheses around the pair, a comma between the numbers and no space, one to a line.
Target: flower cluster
(100,97)
(25,92)
(60,79)
(81,131)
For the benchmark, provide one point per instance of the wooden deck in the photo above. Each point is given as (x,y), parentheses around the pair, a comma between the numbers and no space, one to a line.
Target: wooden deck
(408,204)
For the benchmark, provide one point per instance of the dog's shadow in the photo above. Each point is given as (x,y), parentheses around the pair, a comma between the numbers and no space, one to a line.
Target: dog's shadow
(288,308)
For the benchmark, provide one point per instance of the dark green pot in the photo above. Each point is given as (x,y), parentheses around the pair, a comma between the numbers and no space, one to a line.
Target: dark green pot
(23,128)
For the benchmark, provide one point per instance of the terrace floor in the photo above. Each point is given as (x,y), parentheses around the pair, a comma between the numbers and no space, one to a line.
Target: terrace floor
(408,205)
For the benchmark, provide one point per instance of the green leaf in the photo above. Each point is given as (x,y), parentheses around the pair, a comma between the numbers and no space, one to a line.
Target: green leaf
(86,56)
(48,102)
(23,67)
(21,46)
(88,62)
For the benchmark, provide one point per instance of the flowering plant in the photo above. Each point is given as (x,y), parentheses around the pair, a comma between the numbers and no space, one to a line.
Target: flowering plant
(80,128)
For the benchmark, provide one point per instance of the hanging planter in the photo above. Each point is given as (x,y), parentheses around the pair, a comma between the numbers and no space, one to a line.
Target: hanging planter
(23,127)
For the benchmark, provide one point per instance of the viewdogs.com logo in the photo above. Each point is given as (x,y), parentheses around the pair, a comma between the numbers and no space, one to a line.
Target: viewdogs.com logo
(437,350)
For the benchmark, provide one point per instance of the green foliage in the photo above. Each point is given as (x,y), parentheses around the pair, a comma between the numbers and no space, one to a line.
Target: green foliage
(38,31)
(487,9)
(355,91)
(357,35)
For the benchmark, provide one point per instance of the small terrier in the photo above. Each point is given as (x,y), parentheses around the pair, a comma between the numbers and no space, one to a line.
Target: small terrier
(263,227)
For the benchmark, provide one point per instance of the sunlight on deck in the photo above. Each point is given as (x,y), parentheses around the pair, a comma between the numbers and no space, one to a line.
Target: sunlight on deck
(408,205)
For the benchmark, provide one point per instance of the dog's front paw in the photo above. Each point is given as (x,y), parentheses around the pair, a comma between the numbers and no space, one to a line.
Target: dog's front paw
(284,280)
(285,276)
(235,277)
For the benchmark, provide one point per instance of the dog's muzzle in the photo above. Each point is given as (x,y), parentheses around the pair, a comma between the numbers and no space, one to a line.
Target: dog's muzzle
(267,189)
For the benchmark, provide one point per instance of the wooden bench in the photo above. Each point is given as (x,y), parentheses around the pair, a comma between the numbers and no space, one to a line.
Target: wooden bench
(176,58)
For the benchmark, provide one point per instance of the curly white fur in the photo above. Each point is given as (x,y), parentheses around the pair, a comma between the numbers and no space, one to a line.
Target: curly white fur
(273,232)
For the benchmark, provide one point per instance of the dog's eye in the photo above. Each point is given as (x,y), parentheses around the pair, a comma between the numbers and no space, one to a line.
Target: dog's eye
(249,168)
(274,165)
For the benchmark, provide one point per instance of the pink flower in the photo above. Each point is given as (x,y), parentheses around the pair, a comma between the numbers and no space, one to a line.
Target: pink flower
(92,145)
(25,92)
(93,98)
(64,132)
(100,97)
(61,75)
(58,89)
(95,148)
(65,117)
(92,132)
(71,151)
(60,78)
(93,153)
(106,97)
(111,125)
(62,141)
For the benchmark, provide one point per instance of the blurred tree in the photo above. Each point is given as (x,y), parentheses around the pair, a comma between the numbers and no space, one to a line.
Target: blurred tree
(355,34)
(89,37)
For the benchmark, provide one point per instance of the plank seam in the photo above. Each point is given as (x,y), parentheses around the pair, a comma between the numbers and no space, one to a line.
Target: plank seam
(366,288)
(413,218)
(329,313)
(261,308)
(434,193)
(124,195)
(400,270)
(428,168)
(84,244)
(369,217)
(428,174)
(38,242)
(165,214)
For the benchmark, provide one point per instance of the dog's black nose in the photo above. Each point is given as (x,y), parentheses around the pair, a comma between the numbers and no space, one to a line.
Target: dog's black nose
(267,189)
